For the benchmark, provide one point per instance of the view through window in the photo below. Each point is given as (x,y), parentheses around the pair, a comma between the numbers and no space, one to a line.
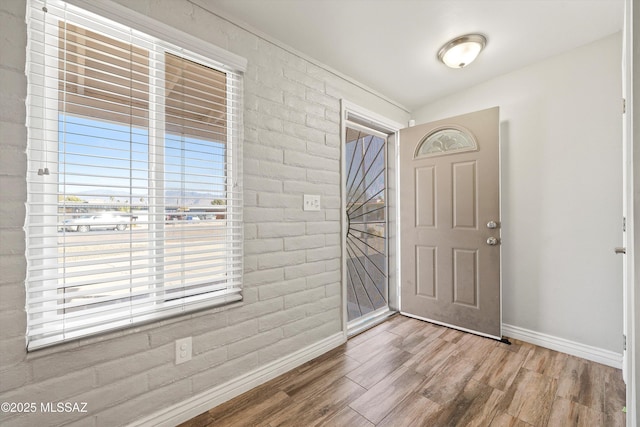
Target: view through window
(134,202)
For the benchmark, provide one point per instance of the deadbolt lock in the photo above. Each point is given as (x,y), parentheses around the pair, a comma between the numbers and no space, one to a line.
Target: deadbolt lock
(492,224)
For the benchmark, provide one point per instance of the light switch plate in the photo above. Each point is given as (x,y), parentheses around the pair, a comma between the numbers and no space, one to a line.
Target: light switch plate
(311,202)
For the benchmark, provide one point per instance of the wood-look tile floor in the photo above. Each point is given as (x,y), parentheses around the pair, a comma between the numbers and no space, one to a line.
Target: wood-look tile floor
(406,372)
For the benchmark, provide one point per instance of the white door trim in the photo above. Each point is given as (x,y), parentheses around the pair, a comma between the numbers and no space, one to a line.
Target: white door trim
(629,298)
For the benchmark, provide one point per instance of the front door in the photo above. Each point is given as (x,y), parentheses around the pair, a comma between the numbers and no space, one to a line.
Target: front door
(450,222)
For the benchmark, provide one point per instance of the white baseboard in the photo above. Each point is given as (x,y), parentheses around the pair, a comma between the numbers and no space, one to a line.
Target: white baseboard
(202,402)
(595,354)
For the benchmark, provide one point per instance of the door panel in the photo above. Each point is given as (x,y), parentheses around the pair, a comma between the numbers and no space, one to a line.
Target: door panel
(425,186)
(426,271)
(449,191)
(465,277)
(464,195)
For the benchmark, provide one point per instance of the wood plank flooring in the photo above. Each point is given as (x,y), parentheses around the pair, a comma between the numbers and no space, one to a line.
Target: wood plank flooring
(405,372)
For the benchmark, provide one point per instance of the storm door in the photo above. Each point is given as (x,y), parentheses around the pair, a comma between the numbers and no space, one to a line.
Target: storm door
(367,263)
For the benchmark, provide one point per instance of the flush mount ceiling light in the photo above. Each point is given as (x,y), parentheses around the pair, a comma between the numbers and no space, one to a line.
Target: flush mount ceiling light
(462,51)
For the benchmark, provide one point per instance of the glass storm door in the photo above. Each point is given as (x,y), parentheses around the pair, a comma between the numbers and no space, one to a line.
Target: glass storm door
(367,226)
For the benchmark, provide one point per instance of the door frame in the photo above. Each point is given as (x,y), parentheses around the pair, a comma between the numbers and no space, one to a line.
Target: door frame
(352,112)
(631,157)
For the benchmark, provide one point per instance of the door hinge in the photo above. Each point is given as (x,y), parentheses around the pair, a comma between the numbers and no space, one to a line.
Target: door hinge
(624,224)
(624,106)
(624,342)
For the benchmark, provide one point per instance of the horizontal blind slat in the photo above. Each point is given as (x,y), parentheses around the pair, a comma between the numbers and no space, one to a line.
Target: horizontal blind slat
(117,308)
(132,258)
(62,327)
(106,273)
(141,296)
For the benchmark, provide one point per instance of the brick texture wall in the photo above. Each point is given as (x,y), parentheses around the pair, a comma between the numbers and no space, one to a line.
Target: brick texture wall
(292,290)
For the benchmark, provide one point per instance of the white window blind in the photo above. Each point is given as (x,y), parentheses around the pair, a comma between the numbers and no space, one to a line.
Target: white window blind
(134,206)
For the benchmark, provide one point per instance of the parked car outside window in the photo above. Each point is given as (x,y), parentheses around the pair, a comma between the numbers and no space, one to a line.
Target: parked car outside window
(102,221)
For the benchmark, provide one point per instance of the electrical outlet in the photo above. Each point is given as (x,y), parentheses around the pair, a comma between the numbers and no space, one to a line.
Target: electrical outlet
(311,202)
(184,349)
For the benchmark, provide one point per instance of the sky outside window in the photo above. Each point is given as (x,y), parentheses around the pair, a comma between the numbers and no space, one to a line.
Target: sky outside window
(102,161)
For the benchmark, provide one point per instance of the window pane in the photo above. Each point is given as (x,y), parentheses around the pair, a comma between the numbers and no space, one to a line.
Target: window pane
(101,77)
(196,99)
(195,195)
(102,187)
(446,140)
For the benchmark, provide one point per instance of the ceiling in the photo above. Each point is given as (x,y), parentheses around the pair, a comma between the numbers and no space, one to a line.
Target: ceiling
(391,45)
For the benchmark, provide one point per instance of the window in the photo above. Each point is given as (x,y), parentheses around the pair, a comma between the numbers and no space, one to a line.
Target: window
(134,190)
(446,141)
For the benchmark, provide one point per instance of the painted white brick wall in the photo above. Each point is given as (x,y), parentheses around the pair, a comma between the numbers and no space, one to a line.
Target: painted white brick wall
(292,292)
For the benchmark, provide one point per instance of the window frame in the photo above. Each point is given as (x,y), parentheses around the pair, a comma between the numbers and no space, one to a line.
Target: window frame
(168,40)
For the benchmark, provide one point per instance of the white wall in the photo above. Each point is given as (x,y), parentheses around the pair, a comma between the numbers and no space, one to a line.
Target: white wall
(292,293)
(561,190)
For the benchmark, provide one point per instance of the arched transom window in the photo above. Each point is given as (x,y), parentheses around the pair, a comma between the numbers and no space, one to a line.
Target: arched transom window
(446,140)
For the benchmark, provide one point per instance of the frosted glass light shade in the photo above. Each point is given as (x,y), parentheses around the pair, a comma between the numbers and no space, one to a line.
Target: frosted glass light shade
(461,51)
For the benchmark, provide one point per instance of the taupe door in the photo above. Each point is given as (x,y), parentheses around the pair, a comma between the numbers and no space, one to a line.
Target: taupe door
(450,224)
